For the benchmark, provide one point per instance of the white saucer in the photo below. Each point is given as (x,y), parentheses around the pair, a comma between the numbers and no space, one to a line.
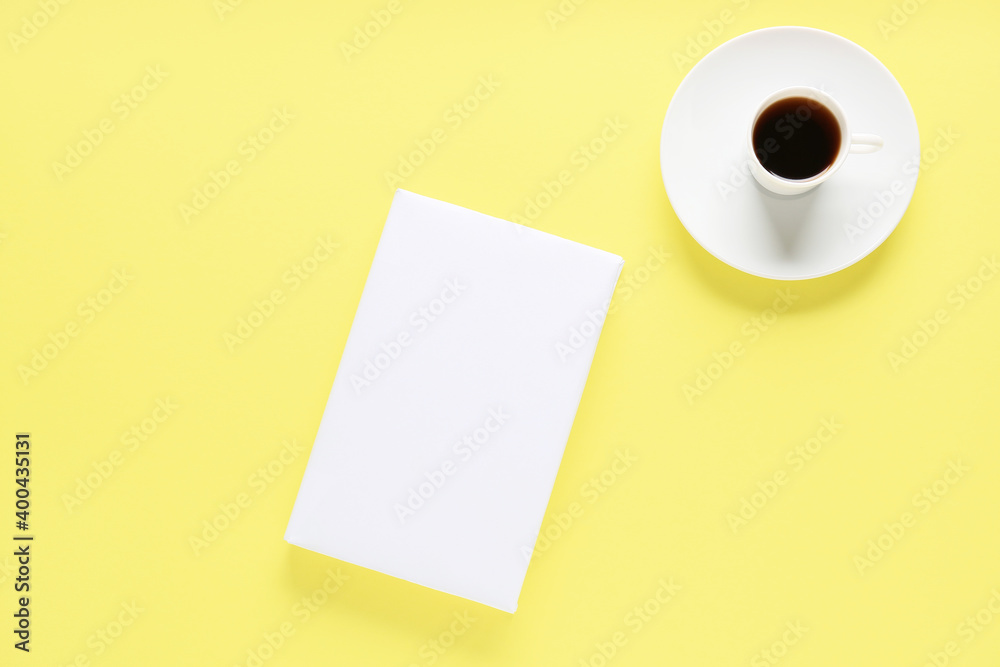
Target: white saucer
(703,155)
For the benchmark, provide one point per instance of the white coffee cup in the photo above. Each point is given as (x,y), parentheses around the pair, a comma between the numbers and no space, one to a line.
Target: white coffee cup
(849,143)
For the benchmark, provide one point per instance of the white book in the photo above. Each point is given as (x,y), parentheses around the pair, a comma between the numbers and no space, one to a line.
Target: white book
(454,399)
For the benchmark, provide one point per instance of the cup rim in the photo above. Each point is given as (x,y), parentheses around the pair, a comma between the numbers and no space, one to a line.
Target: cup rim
(823,98)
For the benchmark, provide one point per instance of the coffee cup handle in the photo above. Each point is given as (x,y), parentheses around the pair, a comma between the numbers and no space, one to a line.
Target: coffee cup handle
(865,143)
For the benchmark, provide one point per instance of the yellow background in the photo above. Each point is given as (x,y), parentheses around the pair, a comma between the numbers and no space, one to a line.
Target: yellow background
(665,517)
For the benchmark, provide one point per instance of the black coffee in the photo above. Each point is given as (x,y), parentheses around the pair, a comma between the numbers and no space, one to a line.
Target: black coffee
(796,138)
